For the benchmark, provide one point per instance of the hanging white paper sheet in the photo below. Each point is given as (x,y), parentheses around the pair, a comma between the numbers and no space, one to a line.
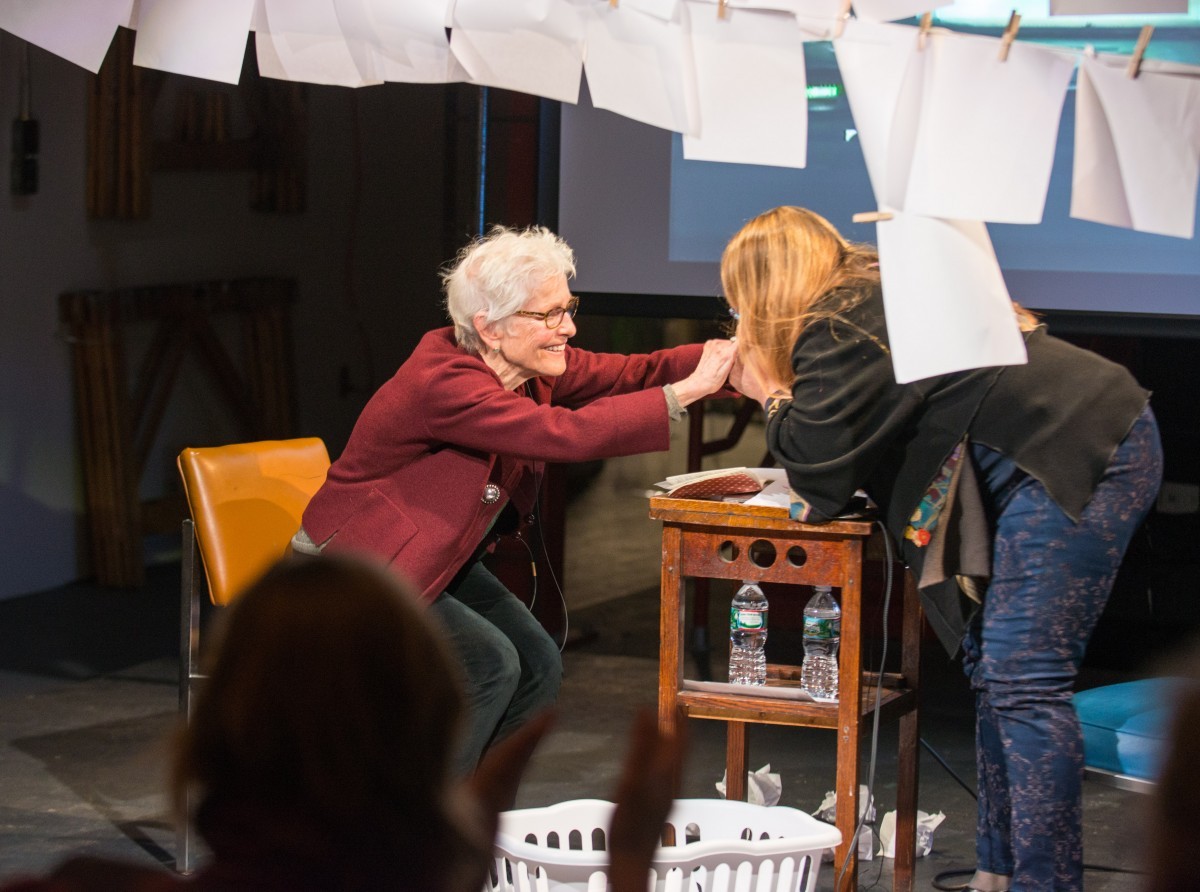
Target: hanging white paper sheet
(667,10)
(815,18)
(532,46)
(304,42)
(874,59)
(815,9)
(1137,150)
(411,43)
(951,131)
(641,67)
(1117,7)
(78,30)
(200,38)
(893,10)
(946,303)
(751,85)
(985,144)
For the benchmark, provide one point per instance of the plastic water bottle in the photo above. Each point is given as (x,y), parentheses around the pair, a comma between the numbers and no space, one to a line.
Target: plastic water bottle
(748,636)
(822,634)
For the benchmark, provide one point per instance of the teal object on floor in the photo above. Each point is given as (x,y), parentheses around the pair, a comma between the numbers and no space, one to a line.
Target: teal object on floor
(1125,728)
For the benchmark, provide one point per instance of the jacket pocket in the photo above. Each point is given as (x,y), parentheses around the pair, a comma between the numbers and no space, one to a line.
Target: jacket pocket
(377,526)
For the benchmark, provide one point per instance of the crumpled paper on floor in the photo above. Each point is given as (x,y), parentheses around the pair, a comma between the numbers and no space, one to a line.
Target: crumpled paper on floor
(926,824)
(762,787)
(827,811)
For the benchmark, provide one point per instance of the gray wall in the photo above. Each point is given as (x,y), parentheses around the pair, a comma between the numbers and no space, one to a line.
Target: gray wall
(201,228)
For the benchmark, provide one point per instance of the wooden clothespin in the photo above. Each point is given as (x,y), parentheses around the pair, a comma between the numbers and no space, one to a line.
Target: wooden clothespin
(1135,61)
(1010,34)
(721,8)
(843,15)
(871,217)
(926,26)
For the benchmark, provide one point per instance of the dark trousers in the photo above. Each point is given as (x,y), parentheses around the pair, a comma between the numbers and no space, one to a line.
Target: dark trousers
(511,666)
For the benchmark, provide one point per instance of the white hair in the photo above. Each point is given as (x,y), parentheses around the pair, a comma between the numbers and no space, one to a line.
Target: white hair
(496,274)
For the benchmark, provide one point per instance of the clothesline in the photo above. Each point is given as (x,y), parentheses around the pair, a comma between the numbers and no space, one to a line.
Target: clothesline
(957,129)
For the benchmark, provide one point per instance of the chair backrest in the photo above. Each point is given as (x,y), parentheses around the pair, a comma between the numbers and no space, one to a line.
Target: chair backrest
(246,501)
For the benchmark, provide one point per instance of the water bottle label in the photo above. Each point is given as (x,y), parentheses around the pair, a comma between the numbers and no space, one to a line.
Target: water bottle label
(746,619)
(820,627)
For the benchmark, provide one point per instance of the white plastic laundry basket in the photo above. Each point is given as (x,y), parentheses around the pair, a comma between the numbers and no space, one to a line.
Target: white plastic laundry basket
(721,847)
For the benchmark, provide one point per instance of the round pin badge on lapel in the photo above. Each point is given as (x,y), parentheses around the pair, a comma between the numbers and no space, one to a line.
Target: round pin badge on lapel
(491,494)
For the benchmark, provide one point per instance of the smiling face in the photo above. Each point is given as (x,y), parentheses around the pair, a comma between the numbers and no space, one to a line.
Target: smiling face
(527,348)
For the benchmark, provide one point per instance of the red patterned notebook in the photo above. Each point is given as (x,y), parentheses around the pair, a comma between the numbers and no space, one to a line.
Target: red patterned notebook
(717,485)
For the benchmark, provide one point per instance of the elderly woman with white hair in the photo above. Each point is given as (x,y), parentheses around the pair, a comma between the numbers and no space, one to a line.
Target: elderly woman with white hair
(452,449)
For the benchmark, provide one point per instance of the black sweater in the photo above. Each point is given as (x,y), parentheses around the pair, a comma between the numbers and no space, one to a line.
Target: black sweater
(850,426)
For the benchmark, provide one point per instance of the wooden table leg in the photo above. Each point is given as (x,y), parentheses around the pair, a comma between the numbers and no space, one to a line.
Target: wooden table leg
(670,629)
(737,752)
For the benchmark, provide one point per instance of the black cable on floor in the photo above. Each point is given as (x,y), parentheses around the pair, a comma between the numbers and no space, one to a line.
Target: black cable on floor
(939,880)
(950,771)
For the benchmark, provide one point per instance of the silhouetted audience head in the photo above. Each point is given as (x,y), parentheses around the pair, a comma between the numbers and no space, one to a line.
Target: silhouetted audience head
(1176,801)
(324,733)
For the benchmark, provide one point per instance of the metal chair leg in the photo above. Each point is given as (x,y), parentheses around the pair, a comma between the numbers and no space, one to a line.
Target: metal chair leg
(191,584)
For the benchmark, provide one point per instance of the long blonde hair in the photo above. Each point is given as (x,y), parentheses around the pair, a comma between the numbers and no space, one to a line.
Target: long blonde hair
(784,269)
(789,267)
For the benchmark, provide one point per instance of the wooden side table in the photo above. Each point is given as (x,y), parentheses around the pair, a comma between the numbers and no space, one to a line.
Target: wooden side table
(724,540)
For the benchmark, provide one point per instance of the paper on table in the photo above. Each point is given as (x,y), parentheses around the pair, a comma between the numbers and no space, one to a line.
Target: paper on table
(533,46)
(775,492)
(951,131)
(200,38)
(1137,150)
(736,58)
(945,300)
(78,30)
(304,42)
(641,67)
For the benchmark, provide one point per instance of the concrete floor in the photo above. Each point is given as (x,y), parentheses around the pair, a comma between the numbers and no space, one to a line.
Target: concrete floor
(88,699)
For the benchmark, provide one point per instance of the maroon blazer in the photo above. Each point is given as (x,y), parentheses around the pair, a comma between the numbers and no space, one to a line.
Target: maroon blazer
(409,486)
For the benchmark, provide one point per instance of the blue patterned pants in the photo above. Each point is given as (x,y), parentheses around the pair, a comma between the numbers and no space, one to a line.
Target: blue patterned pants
(1051,579)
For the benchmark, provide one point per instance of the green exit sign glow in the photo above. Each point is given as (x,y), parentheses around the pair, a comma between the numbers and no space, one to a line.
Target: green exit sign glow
(824,91)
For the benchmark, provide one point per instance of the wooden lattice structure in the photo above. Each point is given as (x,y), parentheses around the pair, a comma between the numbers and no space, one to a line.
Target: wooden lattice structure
(119,417)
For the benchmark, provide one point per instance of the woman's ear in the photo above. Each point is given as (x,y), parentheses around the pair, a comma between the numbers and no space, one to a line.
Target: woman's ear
(489,332)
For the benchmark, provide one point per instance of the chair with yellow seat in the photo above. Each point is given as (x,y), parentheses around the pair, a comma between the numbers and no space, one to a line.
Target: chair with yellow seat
(245,501)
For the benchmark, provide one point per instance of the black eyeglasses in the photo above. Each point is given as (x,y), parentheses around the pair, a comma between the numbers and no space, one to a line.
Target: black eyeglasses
(552,318)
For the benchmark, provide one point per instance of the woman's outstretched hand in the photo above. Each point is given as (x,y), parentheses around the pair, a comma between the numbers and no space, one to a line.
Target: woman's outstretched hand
(710,374)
